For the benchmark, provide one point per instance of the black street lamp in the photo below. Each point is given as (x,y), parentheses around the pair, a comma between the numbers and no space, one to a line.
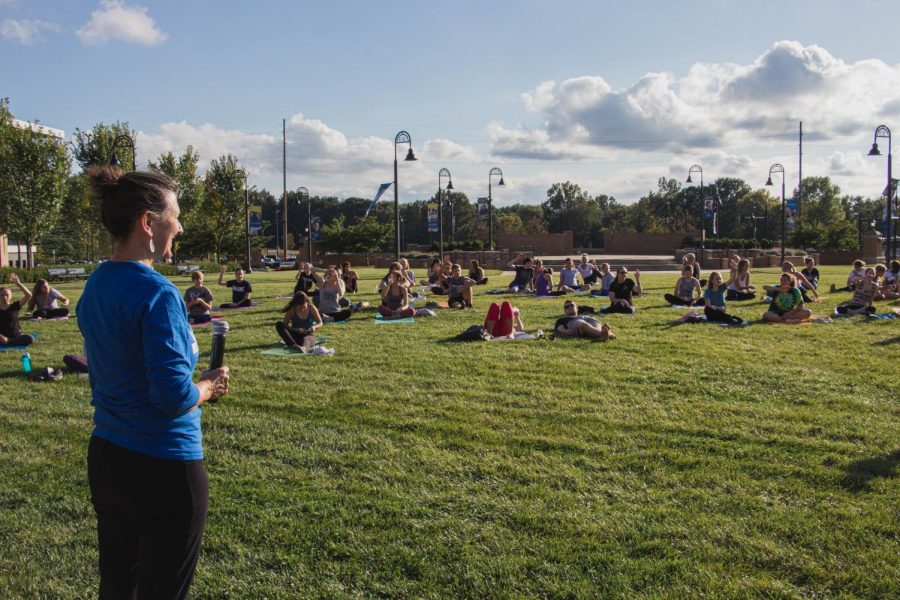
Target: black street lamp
(126,141)
(442,173)
(401,234)
(302,191)
(401,138)
(699,169)
(885,132)
(777,168)
(243,174)
(494,171)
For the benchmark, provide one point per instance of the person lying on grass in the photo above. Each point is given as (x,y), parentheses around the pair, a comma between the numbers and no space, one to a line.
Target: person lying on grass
(10,331)
(864,291)
(45,302)
(240,288)
(459,288)
(395,297)
(502,321)
(714,302)
(738,286)
(300,322)
(787,303)
(568,278)
(687,290)
(573,324)
(351,279)
(621,291)
(198,300)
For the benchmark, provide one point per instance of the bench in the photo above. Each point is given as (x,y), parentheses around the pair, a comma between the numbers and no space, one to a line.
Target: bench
(57,274)
(187,269)
(76,273)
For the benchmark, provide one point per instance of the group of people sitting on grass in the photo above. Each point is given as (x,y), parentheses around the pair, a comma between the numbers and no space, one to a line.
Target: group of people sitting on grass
(42,301)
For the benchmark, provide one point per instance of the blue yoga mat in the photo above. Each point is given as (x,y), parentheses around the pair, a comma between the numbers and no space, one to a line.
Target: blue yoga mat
(19,348)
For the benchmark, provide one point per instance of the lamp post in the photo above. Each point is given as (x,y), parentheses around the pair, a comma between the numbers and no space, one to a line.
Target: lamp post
(699,169)
(885,132)
(777,168)
(494,171)
(401,233)
(302,191)
(401,138)
(128,142)
(277,230)
(243,174)
(442,173)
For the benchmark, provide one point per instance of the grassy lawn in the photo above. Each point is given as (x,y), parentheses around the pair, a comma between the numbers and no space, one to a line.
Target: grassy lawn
(677,460)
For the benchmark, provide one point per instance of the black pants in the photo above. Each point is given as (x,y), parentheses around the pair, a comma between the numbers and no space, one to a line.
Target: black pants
(19,340)
(50,313)
(736,295)
(673,299)
(844,309)
(150,518)
(720,316)
(618,308)
(290,337)
(242,304)
(200,319)
(341,315)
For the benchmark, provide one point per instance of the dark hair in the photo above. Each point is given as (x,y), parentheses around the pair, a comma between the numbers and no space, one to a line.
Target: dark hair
(124,196)
(895,266)
(299,299)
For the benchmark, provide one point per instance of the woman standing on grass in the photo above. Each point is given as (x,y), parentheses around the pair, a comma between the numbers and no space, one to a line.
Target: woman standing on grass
(148,484)
(44,302)
(787,303)
(300,322)
(10,332)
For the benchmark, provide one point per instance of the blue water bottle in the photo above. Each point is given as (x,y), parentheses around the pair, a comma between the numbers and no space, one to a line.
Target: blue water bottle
(26,362)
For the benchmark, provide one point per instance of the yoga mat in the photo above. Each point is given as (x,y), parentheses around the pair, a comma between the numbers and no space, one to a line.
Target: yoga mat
(241,308)
(495,292)
(521,336)
(279,349)
(214,318)
(65,318)
(682,306)
(884,315)
(379,320)
(19,348)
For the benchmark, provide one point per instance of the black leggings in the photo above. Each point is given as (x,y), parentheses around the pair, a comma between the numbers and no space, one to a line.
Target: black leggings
(290,337)
(619,308)
(843,309)
(151,514)
(673,299)
(199,319)
(242,304)
(341,315)
(736,295)
(18,340)
(720,316)
(50,313)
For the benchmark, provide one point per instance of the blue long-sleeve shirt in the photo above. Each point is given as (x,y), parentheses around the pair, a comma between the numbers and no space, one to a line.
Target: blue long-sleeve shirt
(141,357)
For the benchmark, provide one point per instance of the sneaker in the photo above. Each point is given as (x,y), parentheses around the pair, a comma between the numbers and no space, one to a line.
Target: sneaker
(425,312)
(322,351)
(833,288)
(539,334)
(486,335)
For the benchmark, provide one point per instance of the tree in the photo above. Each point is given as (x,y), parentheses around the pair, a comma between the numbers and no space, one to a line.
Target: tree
(821,201)
(33,172)
(222,210)
(367,235)
(183,170)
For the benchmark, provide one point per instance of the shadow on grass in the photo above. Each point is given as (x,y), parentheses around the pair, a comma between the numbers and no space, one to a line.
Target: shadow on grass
(861,472)
(887,342)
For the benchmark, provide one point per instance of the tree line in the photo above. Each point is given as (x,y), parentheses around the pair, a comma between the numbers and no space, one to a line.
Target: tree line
(45,202)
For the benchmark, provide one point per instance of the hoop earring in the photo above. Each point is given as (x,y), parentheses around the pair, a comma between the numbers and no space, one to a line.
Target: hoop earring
(151,247)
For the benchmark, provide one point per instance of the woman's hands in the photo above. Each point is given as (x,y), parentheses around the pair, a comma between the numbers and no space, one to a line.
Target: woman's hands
(213,384)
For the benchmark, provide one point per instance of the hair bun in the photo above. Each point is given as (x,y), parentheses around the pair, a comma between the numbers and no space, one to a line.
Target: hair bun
(104,176)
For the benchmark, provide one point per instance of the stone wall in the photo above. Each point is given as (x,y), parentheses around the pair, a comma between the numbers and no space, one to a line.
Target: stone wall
(538,244)
(644,243)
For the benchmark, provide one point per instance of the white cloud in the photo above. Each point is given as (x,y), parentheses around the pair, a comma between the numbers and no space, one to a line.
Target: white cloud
(25,32)
(713,105)
(115,20)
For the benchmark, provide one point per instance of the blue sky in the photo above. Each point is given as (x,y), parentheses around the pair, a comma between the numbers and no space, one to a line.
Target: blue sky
(609,95)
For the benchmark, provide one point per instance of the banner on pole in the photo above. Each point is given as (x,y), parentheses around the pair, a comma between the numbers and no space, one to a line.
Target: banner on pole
(381,190)
(255,219)
(790,210)
(432,217)
(315,225)
(709,206)
(484,209)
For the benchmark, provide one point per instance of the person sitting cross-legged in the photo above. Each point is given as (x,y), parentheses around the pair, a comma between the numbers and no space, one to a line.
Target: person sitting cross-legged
(300,322)
(573,324)
(395,297)
(787,303)
(240,288)
(621,291)
(687,290)
(714,299)
(865,290)
(45,302)
(198,300)
(459,288)
(10,331)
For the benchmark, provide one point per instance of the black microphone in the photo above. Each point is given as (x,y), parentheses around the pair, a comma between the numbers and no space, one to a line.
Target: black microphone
(217,356)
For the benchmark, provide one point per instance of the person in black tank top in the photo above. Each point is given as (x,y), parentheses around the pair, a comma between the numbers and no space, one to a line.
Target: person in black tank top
(300,322)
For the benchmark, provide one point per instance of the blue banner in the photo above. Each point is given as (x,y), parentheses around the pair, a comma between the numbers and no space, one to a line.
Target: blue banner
(381,190)
(790,207)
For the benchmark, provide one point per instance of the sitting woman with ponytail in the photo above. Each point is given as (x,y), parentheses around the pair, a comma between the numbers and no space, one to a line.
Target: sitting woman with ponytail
(298,327)
(147,481)
(44,302)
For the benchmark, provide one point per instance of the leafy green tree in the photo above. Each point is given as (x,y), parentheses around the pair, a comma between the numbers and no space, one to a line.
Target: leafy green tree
(183,169)
(33,172)
(222,210)
(367,235)
(821,201)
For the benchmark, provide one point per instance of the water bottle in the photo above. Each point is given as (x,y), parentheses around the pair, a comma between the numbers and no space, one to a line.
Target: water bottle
(26,362)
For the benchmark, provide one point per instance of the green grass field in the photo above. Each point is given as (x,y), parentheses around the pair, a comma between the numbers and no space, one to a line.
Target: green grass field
(675,461)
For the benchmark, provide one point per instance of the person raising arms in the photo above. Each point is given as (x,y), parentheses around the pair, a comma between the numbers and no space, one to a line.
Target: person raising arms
(522,280)
(395,297)
(714,302)
(621,291)
(240,288)
(10,331)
